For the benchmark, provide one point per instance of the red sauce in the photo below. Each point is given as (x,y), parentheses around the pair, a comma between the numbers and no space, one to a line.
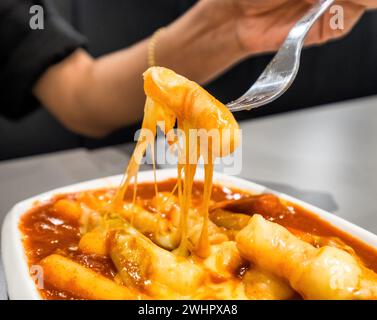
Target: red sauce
(45,232)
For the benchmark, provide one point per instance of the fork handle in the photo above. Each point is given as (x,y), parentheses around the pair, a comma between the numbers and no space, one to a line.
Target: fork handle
(303,26)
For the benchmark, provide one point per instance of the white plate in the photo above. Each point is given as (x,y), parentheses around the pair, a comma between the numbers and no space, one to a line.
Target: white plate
(21,285)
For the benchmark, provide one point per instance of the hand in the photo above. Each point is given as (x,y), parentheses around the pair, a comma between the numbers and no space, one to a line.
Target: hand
(216,34)
(262,25)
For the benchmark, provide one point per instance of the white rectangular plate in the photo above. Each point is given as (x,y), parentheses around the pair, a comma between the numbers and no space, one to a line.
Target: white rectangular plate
(21,285)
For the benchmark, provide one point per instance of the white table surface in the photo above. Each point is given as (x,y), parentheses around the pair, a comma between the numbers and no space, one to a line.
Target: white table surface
(326,156)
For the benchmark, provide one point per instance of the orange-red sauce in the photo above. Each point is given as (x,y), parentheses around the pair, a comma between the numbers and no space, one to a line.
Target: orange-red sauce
(45,232)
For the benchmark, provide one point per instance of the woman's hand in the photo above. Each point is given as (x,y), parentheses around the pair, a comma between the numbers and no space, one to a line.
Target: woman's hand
(215,34)
(262,25)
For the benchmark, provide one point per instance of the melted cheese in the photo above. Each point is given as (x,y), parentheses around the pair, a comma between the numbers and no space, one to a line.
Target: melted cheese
(174,99)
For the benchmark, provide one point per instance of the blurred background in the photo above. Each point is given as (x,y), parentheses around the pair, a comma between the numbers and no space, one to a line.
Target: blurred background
(337,71)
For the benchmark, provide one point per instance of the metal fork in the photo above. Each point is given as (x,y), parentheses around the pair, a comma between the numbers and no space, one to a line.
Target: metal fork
(282,70)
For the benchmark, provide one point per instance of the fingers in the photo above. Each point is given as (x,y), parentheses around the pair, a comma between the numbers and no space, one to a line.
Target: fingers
(369,4)
(331,26)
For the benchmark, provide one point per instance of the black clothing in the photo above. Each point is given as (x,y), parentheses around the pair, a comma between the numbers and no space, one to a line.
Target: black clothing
(26,53)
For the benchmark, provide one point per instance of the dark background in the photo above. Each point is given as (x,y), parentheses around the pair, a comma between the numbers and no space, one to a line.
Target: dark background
(340,70)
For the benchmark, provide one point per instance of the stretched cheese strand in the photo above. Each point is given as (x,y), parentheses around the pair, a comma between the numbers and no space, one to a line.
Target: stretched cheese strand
(203,248)
(171,97)
(153,114)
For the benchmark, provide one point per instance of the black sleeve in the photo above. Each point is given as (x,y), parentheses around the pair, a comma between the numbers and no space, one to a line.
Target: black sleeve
(26,53)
